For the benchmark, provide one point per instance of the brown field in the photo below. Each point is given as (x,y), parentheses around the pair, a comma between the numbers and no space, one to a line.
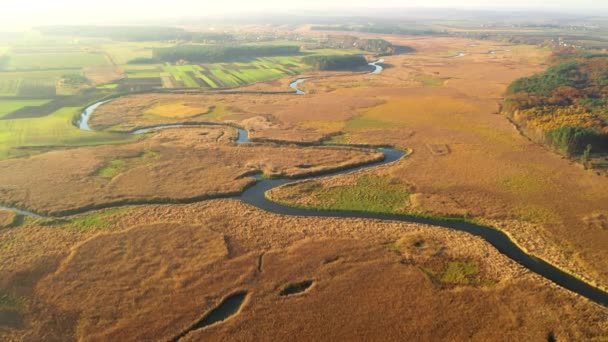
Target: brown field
(149,272)
(372,280)
(517,185)
(171,165)
(491,173)
(284,117)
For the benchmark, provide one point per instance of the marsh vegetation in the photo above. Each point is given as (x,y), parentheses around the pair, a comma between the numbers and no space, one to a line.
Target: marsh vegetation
(232,271)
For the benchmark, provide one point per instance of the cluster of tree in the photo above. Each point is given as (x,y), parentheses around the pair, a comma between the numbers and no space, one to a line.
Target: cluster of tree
(582,79)
(136,33)
(335,62)
(568,102)
(221,53)
(575,140)
(377,46)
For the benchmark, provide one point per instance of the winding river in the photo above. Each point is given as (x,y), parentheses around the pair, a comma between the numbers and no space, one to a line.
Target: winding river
(295,85)
(255,196)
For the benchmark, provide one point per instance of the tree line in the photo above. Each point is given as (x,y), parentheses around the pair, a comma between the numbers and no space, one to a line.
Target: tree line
(335,62)
(221,53)
(567,104)
(377,46)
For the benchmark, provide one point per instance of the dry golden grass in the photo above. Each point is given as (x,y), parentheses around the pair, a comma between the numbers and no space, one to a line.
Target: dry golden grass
(177,110)
(128,113)
(155,270)
(284,117)
(7,218)
(149,272)
(492,173)
(171,165)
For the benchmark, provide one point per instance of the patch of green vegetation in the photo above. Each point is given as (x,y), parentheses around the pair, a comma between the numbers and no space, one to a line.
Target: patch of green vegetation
(455,273)
(362,123)
(393,247)
(113,168)
(370,193)
(23,136)
(460,273)
(217,112)
(108,86)
(97,220)
(429,81)
(9,106)
(116,166)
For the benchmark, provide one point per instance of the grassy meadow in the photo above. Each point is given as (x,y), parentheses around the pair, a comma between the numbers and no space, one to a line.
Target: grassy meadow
(18,136)
(9,106)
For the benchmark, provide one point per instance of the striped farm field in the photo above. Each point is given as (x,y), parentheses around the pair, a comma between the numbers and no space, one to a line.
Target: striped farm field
(222,75)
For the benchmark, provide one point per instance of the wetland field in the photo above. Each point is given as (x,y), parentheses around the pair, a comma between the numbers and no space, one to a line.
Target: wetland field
(311,182)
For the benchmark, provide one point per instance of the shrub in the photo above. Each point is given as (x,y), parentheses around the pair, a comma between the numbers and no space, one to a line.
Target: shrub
(572,140)
(335,62)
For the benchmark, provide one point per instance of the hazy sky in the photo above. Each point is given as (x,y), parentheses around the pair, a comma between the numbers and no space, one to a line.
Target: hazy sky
(32,12)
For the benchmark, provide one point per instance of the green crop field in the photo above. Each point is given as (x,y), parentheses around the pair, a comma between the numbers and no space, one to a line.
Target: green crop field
(223,75)
(56,60)
(9,106)
(33,73)
(52,130)
(11,83)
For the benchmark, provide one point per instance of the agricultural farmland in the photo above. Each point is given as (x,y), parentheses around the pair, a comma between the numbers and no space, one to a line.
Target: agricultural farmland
(55,60)
(9,106)
(20,137)
(230,75)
